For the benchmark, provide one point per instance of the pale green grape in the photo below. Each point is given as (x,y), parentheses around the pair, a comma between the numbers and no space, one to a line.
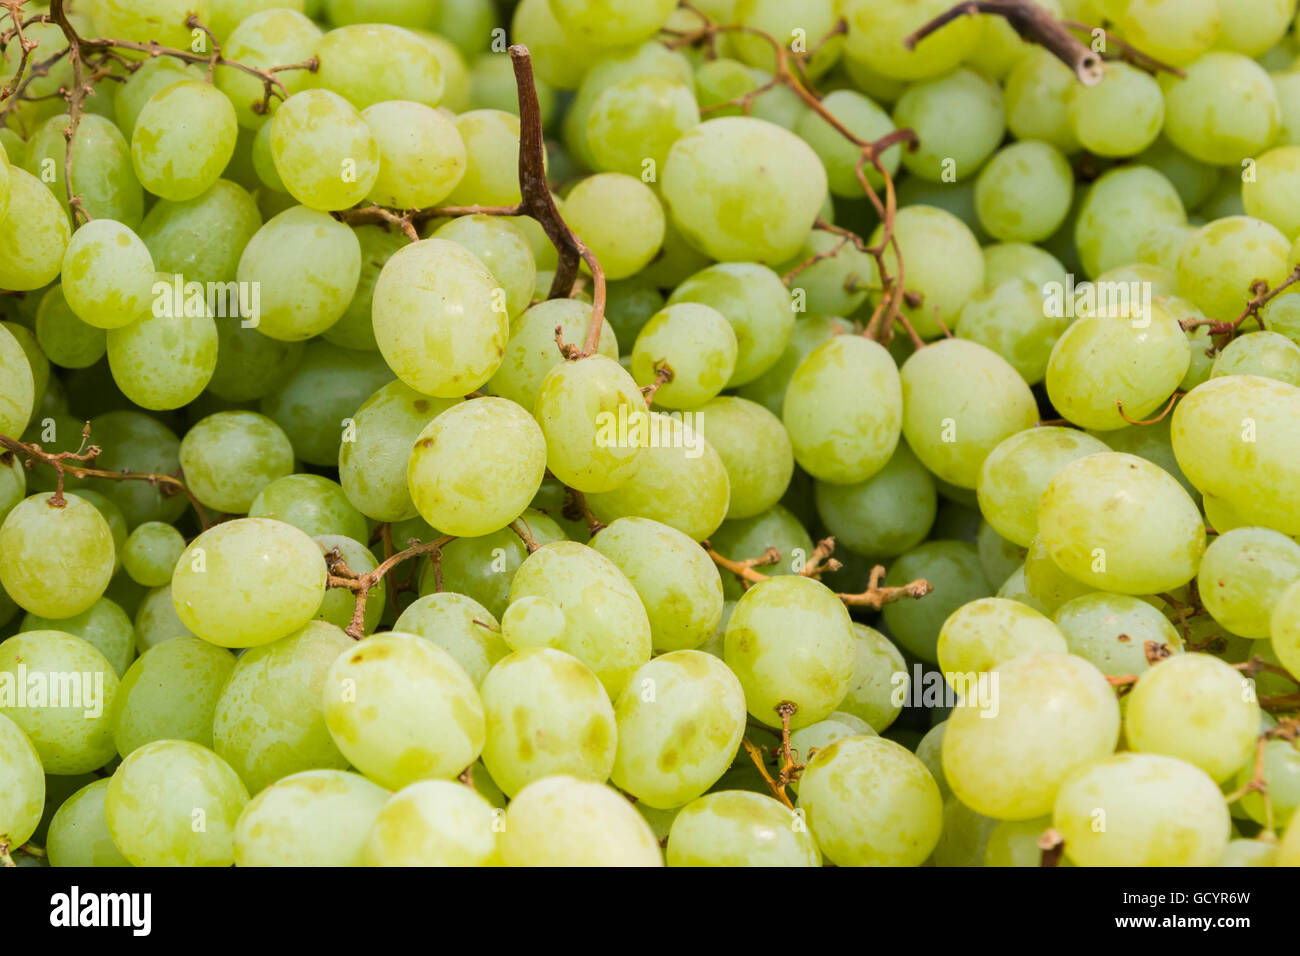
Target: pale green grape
(1242,576)
(837,283)
(248,582)
(953,569)
(313,818)
(805,742)
(1119,523)
(532,621)
(483,568)
(965,836)
(421,154)
(861,117)
(1266,354)
(877,29)
(355,329)
(1118,211)
(889,513)
(170,693)
(437,318)
(491,176)
(183,139)
(202,238)
(491,80)
(23,798)
(268,722)
(734,427)
(1004,261)
(455,71)
(559,56)
(1024,192)
(348,65)
(1121,115)
(1282,777)
(1242,852)
(153,75)
(323,150)
(746,538)
(34,233)
(1274,190)
(36,360)
(63,336)
(18,393)
(466,23)
(161,20)
(878,673)
(631,124)
(736,828)
(984,634)
(311,503)
(1285,628)
(756,303)
(339,604)
(1158,811)
(434,823)
(460,626)
(769,388)
(166,358)
(1111,631)
(944,265)
(680,481)
(13,485)
(1163,245)
(743,189)
(55,561)
(604,23)
(1220,261)
(501,246)
(156,620)
(476,466)
(1203,351)
(1150,442)
(262,39)
(1038,92)
(619,218)
(1017,322)
(102,174)
(1007,750)
(249,364)
(1176,31)
(1253,26)
(694,344)
(960,120)
(151,553)
(1044,580)
(564,821)
(229,457)
(532,351)
(117,525)
(234,12)
(43,90)
(78,833)
(1226,108)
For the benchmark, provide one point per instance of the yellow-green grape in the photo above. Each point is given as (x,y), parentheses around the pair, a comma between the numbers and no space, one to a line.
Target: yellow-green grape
(311,503)
(839,278)
(960,120)
(1008,746)
(34,233)
(55,561)
(1253,26)
(348,58)
(18,391)
(434,823)
(682,482)
(806,741)
(533,352)
(738,828)
(1112,632)
(1152,443)
(1013,476)
(809,332)
(421,154)
(117,524)
(78,833)
(1120,523)
(1273,192)
(1288,851)
(170,693)
(455,71)
(877,29)
(1243,575)
(746,538)
(757,304)
(264,160)
(1220,261)
(631,124)
(151,553)
(475,467)
(861,117)
(1117,213)
(743,189)
(161,20)
(41,93)
(734,427)
(1017,322)
(879,681)
(183,139)
(439,321)
(501,246)
(1197,708)
(38,364)
(693,347)
(483,568)
(889,513)
(1285,628)
(1238,432)
(953,568)
(13,485)
(64,338)
(248,582)
(546,713)
(491,175)
(340,604)
(202,238)
(1024,192)
(869,802)
(165,359)
(602,23)
(965,836)
(1224,109)
(234,12)
(559,56)
(565,821)
(264,39)
(1162,245)
(785,22)
(156,620)
(679,586)
(986,633)
(1266,354)
(1281,776)
(1037,95)
(1121,115)
(102,174)
(153,75)
(944,265)
(790,640)
(313,818)
(1155,811)
(229,457)
(23,799)
(1045,582)
(1015,843)
(401,709)
(1176,31)
(466,23)
(1203,351)
(1242,852)
(268,721)
(533,621)
(355,330)
(105,626)
(323,150)
(620,220)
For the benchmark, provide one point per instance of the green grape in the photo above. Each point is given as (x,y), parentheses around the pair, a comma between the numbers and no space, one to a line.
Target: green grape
(230,457)
(878,673)
(348,58)
(34,233)
(1120,523)
(1122,207)
(133,441)
(466,23)
(603,23)
(455,71)
(268,722)
(889,513)
(373,460)
(434,823)
(630,125)
(13,485)
(1024,192)
(421,154)
(161,20)
(23,798)
(787,22)
(78,833)
(264,163)
(876,31)
(355,329)
(1015,843)
(263,39)
(1017,322)
(734,427)
(249,582)
(153,75)
(459,625)
(1242,576)
(559,56)
(1007,751)
(628,307)
(742,189)
(249,364)
(42,92)
(607,627)
(1005,261)
(166,358)
(117,526)
(1272,193)
(234,12)
(953,569)
(313,818)
(1265,354)
(986,633)
(1282,315)
(861,117)
(491,176)
(532,621)
(619,218)
(694,345)
(1242,852)
(1176,31)
(437,318)
(748,538)
(806,741)
(1112,631)
(327,386)
(339,604)
(492,86)
(182,139)
(1224,109)
(310,503)
(1288,95)
(502,247)
(324,152)
(156,620)
(57,560)
(483,568)
(565,821)
(63,337)
(1158,811)
(1285,628)
(170,693)
(769,388)
(105,626)
(37,363)
(1044,580)
(1150,442)
(681,482)
(944,264)
(202,238)
(1162,246)
(838,282)
(1038,93)
(1197,708)
(546,713)
(1281,765)
(735,828)
(965,836)
(532,351)
(1218,264)
(960,120)
(18,392)
(102,174)
(756,303)
(1121,115)
(1253,26)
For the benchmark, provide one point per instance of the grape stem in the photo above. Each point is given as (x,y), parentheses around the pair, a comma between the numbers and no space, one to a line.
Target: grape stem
(1127,52)
(1052,845)
(790,768)
(663,375)
(520,527)
(342,576)
(576,509)
(1261,295)
(874,597)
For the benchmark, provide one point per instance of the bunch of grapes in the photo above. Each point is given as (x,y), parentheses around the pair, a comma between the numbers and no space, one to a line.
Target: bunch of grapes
(624,432)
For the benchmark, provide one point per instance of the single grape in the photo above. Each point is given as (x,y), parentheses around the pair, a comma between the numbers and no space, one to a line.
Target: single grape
(313,818)
(170,693)
(564,821)
(151,553)
(735,828)
(183,139)
(78,833)
(229,457)
(1112,632)
(24,795)
(434,823)
(56,556)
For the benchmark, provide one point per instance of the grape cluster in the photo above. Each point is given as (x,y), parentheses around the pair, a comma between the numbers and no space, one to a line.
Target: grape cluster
(623,432)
